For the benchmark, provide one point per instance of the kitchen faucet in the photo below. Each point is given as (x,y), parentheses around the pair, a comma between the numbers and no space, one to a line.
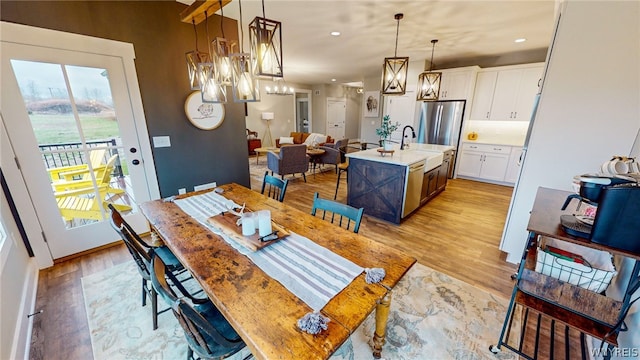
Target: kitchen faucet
(413,135)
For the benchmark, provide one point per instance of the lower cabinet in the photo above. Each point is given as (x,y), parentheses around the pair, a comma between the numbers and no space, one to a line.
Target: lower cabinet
(484,161)
(445,169)
(429,185)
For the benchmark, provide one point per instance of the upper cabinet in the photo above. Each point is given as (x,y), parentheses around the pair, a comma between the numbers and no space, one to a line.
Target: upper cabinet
(506,93)
(457,84)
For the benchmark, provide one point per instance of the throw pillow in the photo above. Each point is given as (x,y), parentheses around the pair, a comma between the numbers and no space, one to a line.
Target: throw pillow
(286,140)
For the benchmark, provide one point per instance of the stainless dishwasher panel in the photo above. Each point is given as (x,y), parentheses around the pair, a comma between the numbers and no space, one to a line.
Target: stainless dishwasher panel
(414,187)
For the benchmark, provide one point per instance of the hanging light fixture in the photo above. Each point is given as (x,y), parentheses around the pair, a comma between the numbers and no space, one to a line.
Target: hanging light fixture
(394,70)
(194,58)
(266,46)
(429,81)
(211,89)
(279,87)
(245,85)
(220,51)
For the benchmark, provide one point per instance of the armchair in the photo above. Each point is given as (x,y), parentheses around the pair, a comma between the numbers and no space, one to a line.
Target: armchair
(68,173)
(102,175)
(334,153)
(291,159)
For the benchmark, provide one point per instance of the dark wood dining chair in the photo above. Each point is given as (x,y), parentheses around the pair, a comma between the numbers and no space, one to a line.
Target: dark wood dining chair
(209,335)
(275,188)
(141,253)
(343,214)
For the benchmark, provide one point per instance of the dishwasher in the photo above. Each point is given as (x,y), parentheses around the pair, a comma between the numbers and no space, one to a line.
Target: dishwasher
(414,188)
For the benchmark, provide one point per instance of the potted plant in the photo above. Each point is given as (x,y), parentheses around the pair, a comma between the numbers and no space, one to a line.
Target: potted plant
(385,130)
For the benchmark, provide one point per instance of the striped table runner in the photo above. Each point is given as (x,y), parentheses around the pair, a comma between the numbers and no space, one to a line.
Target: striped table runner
(311,272)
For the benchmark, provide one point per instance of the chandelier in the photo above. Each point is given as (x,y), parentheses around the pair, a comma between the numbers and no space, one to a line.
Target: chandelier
(394,70)
(279,87)
(266,46)
(429,81)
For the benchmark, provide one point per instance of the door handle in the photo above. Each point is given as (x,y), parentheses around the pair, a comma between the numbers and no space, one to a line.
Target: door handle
(135,162)
(133,150)
(487,115)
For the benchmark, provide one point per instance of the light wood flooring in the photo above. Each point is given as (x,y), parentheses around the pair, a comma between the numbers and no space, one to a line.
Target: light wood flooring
(457,233)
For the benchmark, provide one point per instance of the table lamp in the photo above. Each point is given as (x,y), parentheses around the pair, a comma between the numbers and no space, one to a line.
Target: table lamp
(268,116)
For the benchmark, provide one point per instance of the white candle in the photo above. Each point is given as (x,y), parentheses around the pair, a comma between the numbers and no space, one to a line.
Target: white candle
(248,224)
(264,222)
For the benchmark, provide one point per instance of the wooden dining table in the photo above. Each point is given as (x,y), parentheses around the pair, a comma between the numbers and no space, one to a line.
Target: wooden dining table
(263,311)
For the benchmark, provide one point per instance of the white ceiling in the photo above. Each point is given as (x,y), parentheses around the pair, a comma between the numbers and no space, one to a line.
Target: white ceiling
(465,29)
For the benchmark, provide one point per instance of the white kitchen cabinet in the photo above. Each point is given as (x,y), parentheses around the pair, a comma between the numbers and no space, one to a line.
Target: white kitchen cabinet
(506,94)
(513,168)
(484,161)
(456,83)
(483,95)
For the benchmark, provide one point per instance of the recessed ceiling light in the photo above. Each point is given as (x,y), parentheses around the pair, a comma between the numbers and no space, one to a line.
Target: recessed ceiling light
(520,40)
(335,33)
(333,80)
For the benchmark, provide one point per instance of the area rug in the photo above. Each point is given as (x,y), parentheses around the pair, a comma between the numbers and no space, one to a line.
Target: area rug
(433,316)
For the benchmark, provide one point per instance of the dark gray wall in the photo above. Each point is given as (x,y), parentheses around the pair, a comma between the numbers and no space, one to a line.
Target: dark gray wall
(160,41)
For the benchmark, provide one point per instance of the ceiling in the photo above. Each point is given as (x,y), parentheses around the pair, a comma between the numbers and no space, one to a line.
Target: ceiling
(468,31)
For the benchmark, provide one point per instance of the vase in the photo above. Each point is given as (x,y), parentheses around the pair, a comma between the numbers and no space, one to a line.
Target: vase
(387,145)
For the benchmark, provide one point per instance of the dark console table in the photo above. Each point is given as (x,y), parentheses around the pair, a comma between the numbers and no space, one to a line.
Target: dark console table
(543,307)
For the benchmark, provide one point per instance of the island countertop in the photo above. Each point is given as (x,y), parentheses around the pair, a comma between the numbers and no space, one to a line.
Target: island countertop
(430,154)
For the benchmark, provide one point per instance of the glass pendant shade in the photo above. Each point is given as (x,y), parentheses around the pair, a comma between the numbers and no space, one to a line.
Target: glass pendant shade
(429,86)
(211,90)
(221,51)
(394,75)
(245,85)
(266,47)
(194,58)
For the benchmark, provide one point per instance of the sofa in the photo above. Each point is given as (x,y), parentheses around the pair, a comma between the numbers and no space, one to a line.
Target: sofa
(301,138)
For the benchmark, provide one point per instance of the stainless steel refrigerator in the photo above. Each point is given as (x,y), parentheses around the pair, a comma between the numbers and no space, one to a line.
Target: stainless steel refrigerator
(441,122)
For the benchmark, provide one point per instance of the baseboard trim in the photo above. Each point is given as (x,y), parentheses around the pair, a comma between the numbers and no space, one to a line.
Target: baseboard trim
(77,255)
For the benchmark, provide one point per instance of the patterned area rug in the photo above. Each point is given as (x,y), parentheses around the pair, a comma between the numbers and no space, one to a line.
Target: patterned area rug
(432,316)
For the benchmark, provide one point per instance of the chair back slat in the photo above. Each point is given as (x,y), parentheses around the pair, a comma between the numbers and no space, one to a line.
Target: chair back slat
(275,188)
(201,335)
(343,212)
(136,246)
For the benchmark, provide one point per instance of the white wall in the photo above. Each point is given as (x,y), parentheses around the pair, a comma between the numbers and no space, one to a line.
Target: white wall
(589,110)
(283,108)
(589,107)
(18,284)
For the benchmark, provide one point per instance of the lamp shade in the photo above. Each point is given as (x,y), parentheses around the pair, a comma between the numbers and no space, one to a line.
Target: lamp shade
(267,116)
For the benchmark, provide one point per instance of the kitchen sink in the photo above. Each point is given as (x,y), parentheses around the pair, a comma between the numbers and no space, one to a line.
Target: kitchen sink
(433,160)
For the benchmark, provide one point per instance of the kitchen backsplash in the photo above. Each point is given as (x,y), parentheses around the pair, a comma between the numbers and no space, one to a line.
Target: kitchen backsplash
(496,132)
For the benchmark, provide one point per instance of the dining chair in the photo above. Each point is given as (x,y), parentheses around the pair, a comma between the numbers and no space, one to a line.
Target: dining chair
(209,335)
(275,187)
(142,253)
(338,212)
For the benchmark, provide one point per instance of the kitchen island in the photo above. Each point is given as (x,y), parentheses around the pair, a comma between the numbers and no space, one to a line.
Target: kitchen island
(392,186)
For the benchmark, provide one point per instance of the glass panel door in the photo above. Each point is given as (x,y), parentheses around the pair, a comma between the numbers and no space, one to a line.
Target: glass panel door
(71,125)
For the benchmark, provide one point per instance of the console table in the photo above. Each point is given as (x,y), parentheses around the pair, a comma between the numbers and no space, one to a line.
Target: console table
(563,311)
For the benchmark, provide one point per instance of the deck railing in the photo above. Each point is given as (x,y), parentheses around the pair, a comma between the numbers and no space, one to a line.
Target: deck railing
(71,157)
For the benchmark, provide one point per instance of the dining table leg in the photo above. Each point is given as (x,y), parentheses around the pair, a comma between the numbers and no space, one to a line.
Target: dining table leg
(382,314)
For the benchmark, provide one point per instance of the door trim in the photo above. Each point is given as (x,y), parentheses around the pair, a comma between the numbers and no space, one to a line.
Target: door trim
(33,36)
